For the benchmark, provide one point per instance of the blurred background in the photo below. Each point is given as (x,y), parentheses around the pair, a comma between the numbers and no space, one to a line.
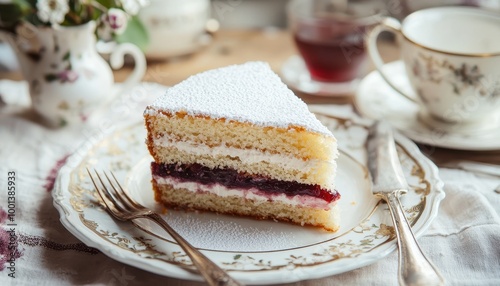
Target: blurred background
(181,27)
(266,13)
(189,21)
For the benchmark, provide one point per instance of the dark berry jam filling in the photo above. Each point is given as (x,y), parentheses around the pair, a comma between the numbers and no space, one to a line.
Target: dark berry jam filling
(234,179)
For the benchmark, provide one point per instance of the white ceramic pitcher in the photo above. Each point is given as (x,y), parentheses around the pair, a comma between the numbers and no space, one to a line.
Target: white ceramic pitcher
(68,79)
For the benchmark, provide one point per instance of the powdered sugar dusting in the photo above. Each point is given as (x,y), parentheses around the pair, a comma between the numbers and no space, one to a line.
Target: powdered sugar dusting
(249,92)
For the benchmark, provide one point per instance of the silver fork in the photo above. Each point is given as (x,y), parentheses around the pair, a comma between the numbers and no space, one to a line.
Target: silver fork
(123,207)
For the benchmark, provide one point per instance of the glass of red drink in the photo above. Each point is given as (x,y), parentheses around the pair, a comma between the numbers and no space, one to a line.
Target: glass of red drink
(330,37)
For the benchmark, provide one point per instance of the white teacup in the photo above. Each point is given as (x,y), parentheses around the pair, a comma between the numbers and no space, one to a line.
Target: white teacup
(452,58)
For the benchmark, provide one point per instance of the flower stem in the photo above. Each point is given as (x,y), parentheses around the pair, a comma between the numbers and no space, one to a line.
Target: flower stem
(74,17)
(98,6)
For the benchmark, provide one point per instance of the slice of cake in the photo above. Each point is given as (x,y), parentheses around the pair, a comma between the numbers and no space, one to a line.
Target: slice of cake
(236,140)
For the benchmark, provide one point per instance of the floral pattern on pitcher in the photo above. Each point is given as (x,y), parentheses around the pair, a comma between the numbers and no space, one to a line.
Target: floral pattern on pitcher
(66,75)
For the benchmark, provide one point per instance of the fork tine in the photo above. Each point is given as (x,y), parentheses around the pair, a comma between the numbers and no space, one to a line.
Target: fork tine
(126,206)
(125,194)
(117,208)
(104,195)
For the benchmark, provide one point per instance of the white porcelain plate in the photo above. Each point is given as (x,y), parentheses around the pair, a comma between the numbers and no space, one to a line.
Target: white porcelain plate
(375,99)
(277,252)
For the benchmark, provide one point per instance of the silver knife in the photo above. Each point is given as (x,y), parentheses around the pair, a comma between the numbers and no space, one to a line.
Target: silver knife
(389,183)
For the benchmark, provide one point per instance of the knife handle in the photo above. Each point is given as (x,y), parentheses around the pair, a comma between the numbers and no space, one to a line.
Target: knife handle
(413,267)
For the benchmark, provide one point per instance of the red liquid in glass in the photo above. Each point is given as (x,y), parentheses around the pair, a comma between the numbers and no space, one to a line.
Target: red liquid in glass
(332,51)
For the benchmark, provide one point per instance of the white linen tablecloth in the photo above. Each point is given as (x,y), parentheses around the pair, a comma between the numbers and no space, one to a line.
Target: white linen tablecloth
(463,241)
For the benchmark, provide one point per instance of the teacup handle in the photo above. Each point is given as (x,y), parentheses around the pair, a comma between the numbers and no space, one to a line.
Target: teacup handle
(117,54)
(393,26)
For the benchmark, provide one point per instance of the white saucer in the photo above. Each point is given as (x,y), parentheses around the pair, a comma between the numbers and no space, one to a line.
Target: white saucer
(295,74)
(375,99)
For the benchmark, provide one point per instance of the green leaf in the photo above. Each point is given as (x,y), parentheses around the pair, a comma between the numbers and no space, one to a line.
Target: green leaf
(50,77)
(135,33)
(30,2)
(62,122)
(10,14)
(107,3)
(25,4)
(66,56)
(237,256)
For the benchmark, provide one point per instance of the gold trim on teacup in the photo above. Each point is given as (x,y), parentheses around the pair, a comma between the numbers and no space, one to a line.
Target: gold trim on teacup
(470,55)
(468,9)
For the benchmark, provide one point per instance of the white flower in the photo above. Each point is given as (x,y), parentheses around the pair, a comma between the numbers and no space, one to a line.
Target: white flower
(116,19)
(132,7)
(52,11)
(114,22)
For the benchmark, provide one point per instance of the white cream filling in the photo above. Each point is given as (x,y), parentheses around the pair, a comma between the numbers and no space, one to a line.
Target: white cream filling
(246,156)
(252,193)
